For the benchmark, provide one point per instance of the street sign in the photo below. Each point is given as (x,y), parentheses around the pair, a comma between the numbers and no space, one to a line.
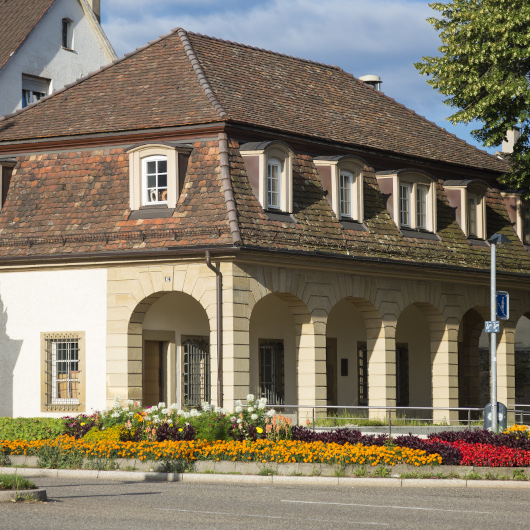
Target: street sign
(503,305)
(492,326)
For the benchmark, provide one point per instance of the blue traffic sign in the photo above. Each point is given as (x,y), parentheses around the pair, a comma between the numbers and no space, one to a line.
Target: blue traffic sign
(492,326)
(503,305)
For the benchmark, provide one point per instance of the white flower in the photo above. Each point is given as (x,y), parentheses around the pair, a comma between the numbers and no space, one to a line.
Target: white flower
(156,420)
(232,419)
(186,415)
(205,406)
(239,420)
(130,403)
(162,405)
(165,411)
(250,398)
(180,413)
(250,409)
(237,403)
(130,413)
(254,417)
(194,413)
(117,399)
(115,414)
(271,413)
(174,406)
(239,408)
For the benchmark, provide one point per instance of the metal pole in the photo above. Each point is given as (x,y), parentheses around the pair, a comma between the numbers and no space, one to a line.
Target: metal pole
(493,339)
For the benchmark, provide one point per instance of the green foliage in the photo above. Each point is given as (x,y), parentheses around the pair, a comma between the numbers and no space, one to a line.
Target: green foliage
(15,482)
(55,457)
(30,428)
(211,426)
(112,434)
(381,471)
(483,69)
(519,474)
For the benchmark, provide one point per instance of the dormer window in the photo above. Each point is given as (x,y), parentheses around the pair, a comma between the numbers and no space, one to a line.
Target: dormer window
(519,213)
(269,169)
(410,199)
(341,178)
(156,176)
(468,198)
(67,34)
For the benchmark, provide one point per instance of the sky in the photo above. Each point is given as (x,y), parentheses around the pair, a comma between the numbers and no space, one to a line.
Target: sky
(380,37)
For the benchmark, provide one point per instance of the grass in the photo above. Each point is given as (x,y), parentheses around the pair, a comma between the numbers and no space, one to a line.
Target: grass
(267,471)
(381,472)
(423,475)
(361,472)
(15,482)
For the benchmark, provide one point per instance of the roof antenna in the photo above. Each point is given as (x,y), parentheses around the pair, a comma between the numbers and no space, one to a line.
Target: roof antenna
(372,80)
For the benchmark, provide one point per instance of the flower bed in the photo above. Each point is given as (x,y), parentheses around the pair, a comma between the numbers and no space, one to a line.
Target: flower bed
(282,451)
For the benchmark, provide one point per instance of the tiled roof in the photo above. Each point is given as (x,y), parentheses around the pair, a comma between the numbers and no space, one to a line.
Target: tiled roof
(186,78)
(17,19)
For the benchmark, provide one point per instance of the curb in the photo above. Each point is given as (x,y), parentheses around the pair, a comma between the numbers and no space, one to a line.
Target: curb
(38,494)
(274,480)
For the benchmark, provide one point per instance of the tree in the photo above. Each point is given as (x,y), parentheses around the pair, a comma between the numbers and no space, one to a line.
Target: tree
(484,69)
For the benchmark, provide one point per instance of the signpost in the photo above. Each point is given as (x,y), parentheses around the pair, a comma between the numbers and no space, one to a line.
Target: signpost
(503,305)
(493,326)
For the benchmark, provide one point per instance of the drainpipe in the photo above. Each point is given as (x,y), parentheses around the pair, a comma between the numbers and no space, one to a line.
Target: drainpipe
(219,282)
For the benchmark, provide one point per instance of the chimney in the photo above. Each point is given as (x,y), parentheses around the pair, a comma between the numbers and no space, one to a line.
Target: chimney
(95,5)
(511,137)
(372,80)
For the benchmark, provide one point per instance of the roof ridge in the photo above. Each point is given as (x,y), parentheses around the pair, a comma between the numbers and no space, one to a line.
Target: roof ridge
(257,48)
(89,75)
(201,76)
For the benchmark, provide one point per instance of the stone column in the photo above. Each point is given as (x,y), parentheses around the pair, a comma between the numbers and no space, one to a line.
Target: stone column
(506,367)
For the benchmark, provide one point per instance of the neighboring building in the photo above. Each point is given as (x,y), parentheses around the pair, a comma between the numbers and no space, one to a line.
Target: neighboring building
(45,45)
(349,234)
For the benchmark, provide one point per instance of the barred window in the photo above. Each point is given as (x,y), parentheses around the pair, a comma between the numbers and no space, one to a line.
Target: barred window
(63,372)
(196,371)
(271,371)
(362,373)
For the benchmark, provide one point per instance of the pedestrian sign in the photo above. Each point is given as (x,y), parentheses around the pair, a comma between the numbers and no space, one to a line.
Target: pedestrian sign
(492,326)
(503,305)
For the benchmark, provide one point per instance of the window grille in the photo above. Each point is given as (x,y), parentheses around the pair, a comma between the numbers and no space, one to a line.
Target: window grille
(273,183)
(421,207)
(346,191)
(196,372)
(404,195)
(62,379)
(362,373)
(155,179)
(402,375)
(271,372)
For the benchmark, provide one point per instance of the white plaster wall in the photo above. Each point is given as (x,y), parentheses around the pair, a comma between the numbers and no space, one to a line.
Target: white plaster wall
(413,329)
(522,334)
(49,301)
(42,55)
(182,314)
(271,319)
(346,324)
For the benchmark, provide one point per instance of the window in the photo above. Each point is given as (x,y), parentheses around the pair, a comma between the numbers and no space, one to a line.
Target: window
(341,178)
(411,201)
(526,224)
(362,374)
(196,381)
(271,371)
(518,211)
(63,372)
(67,34)
(346,194)
(269,167)
(156,178)
(274,171)
(468,199)
(402,375)
(404,198)
(33,89)
(154,172)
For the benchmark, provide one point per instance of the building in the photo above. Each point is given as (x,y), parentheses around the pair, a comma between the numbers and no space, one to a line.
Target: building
(45,45)
(202,219)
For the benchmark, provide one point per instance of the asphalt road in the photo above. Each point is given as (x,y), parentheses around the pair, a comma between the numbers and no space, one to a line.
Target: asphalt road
(79,504)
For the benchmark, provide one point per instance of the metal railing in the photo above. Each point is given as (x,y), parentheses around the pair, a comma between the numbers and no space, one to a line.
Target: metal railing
(380,416)
(521,413)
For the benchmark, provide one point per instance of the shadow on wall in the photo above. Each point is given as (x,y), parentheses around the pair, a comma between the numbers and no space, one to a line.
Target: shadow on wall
(9,352)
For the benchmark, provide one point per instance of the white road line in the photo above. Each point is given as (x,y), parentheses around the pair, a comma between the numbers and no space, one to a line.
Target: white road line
(383,506)
(267,516)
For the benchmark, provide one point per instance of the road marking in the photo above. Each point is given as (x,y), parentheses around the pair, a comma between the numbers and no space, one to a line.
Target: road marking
(382,506)
(266,516)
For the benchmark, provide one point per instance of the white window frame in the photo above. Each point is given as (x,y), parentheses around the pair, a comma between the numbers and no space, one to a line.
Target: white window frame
(472,215)
(465,191)
(274,196)
(146,198)
(405,209)
(518,211)
(347,193)
(422,207)
(33,89)
(67,37)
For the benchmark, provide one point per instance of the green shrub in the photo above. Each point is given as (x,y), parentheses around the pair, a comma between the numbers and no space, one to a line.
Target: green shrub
(211,426)
(30,428)
(15,482)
